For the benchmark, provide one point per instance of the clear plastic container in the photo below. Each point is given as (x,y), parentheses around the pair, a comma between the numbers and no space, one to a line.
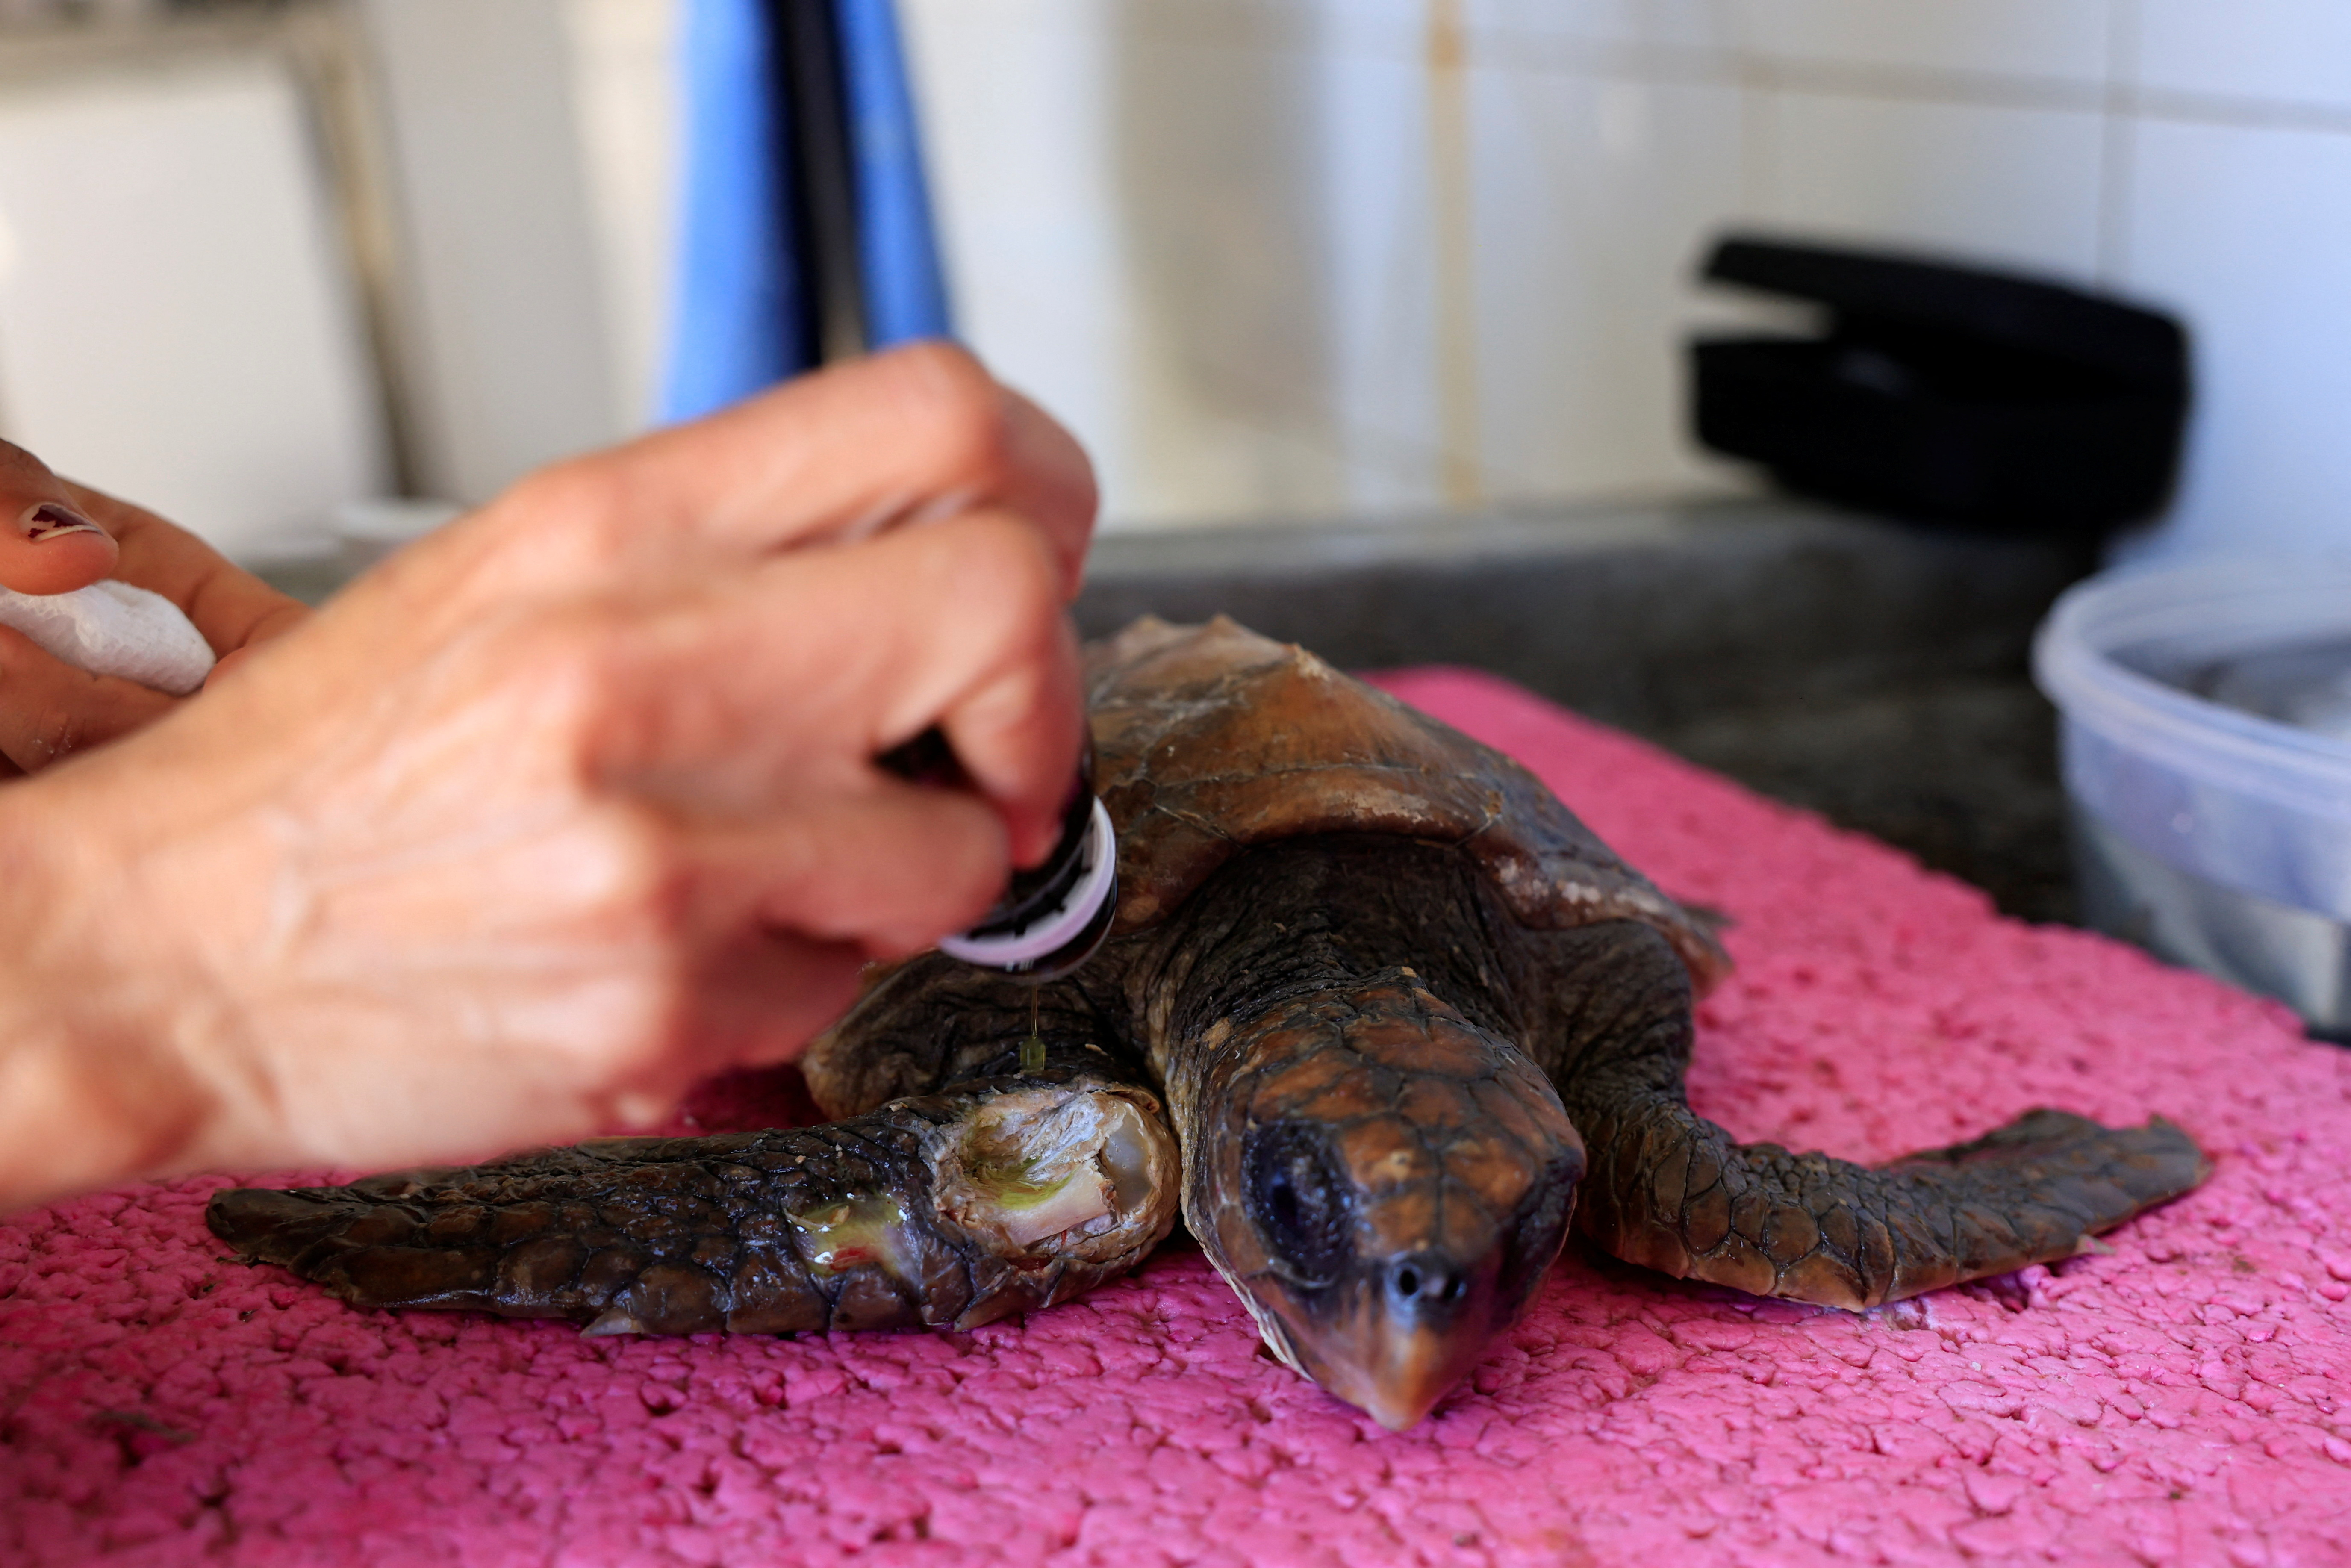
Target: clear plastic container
(2208,759)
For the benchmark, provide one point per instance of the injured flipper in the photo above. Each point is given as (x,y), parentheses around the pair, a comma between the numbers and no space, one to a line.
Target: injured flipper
(992,1196)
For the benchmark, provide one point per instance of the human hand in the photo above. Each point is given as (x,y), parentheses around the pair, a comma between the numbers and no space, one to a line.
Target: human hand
(565,806)
(56,536)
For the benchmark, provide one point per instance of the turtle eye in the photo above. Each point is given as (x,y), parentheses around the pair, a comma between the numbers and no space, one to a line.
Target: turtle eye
(1302,1205)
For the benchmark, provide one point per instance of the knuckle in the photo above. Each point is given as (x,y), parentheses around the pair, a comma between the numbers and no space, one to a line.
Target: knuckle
(46,725)
(637,871)
(565,666)
(562,487)
(58,731)
(957,412)
(575,504)
(1004,565)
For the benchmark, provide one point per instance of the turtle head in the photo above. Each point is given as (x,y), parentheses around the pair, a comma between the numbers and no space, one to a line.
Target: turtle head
(1384,1183)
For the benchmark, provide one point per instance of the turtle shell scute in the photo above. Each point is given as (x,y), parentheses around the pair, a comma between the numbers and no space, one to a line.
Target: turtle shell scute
(1211,739)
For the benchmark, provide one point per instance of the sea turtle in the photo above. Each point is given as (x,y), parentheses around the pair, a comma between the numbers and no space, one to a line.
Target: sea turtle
(1377,1010)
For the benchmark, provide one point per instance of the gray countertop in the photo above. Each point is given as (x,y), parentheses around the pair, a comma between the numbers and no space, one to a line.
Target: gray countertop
(1643,615)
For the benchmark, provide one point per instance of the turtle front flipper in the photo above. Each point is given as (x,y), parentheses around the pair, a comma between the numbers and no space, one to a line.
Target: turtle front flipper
(992,1196)
(1671,1191)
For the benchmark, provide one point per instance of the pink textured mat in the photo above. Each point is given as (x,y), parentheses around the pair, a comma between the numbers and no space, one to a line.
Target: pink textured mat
(2178,1401)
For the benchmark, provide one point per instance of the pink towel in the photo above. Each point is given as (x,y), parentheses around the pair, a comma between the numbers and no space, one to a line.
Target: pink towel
(2186,1400)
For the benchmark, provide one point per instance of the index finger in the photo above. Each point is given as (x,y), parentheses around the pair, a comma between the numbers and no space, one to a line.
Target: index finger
(916,433)
(863,648)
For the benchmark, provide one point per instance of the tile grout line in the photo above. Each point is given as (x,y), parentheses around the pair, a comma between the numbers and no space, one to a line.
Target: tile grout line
(1457,325)
(1498,48)
(1256,27)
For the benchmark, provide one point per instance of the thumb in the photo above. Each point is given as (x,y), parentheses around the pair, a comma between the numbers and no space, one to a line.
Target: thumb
(47,545)
(49,709)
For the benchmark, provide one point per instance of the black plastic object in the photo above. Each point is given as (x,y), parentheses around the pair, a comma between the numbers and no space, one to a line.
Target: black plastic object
(814,144)
(1948,393)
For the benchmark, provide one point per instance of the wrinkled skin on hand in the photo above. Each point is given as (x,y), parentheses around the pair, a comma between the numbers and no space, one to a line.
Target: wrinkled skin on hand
(568,805)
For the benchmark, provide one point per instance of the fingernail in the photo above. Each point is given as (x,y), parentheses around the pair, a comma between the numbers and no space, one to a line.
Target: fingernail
(50,520)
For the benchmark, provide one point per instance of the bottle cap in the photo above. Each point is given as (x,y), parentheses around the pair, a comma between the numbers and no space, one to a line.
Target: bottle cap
(1053,916)
(1059,926)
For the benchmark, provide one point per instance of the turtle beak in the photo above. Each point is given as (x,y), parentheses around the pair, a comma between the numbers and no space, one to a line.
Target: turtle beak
(1415,1284)
(1415,1326)
(1387,1196)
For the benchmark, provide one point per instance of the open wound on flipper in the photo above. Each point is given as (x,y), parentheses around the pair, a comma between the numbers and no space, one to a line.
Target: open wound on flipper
(956,1209)
(1033,1179)
(1035,1165)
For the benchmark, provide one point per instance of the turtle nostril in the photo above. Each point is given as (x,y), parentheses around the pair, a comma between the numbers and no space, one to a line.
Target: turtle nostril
(1424,1281)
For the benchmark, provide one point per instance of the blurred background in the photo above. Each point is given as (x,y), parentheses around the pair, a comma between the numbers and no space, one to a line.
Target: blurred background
(1308,257)
(1375,315)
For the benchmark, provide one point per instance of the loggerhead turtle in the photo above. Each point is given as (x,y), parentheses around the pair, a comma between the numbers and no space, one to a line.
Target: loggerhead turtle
(1377,1010)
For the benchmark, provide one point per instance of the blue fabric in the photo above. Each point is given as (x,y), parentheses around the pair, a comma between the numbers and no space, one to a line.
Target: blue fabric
(905,294)
(738,324)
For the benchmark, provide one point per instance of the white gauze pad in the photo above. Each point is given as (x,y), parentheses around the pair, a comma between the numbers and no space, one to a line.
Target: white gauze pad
(113,629)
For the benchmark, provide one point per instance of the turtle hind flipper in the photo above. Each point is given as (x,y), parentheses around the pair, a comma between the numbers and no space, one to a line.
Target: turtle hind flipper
(1672,1192)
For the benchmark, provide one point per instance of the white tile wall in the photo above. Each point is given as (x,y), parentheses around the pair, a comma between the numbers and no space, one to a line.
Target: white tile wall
(1198,237)
(2029,39)
(2248,233)
(1221,169)
(1242,334)
(2292,51)
(1390,28)
(1689,23)
(1579,380)
(1218,235)
(1386,416)
(1209,232)
(503,281)
(2006,184)
(1014,96)
(625,101)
